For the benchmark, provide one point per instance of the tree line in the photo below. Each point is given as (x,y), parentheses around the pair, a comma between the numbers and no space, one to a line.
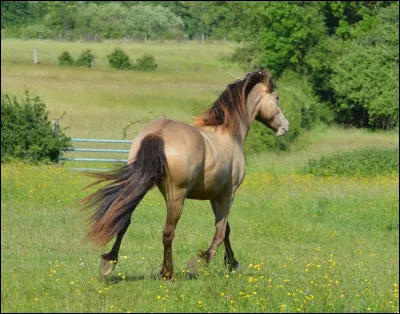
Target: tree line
(347,50)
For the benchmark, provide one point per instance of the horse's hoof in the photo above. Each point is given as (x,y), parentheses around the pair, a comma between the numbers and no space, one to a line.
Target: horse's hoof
(236,266)
(195,263)
(107,266)
(166,275)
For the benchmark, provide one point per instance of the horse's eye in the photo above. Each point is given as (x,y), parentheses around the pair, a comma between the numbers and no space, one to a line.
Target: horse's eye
(277,97)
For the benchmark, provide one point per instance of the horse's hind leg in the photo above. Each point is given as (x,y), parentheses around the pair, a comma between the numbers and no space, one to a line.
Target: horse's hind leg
(174,211)
(229,257)
(110,259)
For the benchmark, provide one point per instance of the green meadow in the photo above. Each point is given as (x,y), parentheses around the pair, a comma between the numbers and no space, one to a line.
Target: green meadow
(305,243)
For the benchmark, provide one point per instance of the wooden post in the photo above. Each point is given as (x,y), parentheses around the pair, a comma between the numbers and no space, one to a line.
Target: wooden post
(202,39)
(35,55)
(92,63)
(95,38)
(145,38)
(55,125)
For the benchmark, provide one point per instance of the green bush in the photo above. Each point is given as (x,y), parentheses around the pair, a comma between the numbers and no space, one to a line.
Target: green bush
(65,59)
(118,59)
(146,63)
(370,161)
(26,133)
(85,59)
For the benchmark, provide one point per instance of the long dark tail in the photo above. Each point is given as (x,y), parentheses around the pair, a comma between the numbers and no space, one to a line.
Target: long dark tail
(116,201)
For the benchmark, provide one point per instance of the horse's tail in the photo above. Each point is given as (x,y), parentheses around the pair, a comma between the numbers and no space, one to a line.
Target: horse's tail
(116,201)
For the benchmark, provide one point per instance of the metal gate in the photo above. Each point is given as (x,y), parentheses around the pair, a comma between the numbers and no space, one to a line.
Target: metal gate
(102,150)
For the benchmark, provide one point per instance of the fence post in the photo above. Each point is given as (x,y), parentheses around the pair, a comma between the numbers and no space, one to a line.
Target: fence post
(55,125)
(92,63)
(202,39)
(177,67)
(35,55)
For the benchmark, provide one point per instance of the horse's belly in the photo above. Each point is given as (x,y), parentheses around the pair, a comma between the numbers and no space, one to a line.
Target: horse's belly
(209,187)
(198,194)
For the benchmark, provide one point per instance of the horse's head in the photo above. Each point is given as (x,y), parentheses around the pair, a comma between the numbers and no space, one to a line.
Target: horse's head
(268,111)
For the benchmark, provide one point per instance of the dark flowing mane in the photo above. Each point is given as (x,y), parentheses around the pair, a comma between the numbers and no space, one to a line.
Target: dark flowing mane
(230,109)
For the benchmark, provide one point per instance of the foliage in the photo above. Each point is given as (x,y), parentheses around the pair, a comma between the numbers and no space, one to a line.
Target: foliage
(370,161)
(65,59)
(13,13)
(146,63)
(365,80)
(284,32)
(26,132)
(151,21)
(118,59)
(35,31)
(85,59)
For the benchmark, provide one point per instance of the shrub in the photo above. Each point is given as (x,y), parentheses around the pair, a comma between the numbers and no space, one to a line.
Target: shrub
(368,161)
(65,59)
(85,59)
(146,63)
(26,133)
(118,59)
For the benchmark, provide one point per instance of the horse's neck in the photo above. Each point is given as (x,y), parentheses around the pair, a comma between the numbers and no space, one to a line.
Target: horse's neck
(244,127)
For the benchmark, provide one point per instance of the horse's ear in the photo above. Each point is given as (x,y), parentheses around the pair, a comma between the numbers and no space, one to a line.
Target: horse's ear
(267,76)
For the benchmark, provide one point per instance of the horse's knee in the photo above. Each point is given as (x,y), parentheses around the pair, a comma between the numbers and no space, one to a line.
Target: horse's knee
(168,236)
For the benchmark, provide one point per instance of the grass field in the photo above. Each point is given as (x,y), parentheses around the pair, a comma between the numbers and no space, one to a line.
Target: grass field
(305,244)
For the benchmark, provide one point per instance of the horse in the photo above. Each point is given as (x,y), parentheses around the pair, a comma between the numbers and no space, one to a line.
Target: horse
(203,160)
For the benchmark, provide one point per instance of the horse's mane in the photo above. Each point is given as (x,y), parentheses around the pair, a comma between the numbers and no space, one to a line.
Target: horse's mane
(230,109)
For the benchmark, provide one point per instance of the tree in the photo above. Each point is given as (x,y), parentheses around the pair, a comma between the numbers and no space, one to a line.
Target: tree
(365,79)
(151,21)
(61,18)
(283,33)
(14,13)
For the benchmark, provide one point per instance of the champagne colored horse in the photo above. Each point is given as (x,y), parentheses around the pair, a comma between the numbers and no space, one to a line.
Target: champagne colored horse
(200,161)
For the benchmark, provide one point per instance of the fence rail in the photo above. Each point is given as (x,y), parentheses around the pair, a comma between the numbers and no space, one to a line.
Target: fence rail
(95,150)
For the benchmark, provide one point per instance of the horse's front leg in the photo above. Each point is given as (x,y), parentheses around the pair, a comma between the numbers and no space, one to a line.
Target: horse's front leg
(174,211)
(229,256)
(221,206)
